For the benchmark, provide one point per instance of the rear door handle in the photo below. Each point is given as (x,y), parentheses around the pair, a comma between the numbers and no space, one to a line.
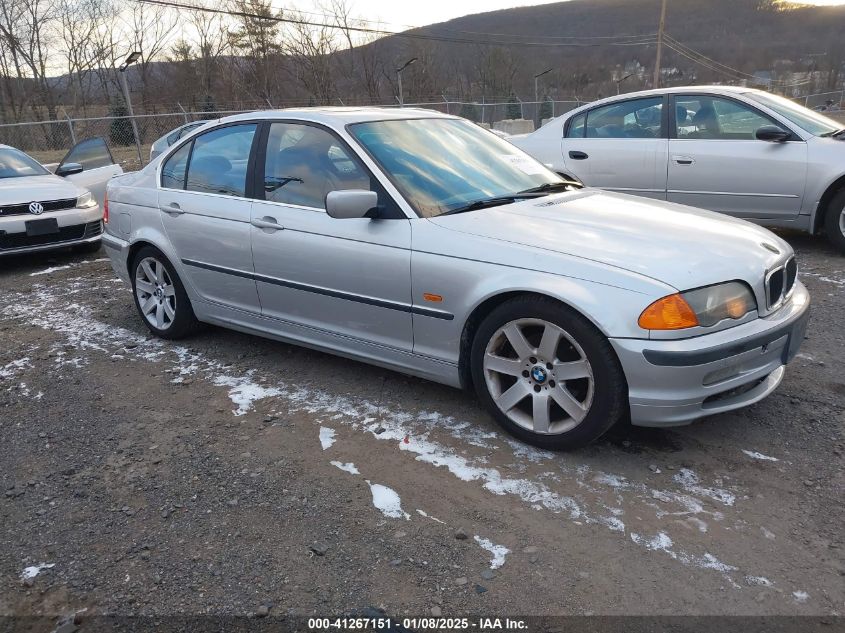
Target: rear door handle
(267,223)
(683,160)
(576,155)
(173,209)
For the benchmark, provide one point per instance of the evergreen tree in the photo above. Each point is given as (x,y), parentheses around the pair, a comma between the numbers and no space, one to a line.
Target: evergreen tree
(470,111)
(120,129)
(207,104)
(546,109)
(513,111)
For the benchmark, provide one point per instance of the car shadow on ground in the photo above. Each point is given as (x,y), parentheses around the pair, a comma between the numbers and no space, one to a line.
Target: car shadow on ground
(33,262)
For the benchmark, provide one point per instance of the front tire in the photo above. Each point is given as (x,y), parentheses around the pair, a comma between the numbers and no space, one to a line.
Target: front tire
(834,221)
(546,374)
(160,296)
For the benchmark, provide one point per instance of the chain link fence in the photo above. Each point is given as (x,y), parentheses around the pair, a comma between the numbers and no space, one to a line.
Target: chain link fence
(48,141)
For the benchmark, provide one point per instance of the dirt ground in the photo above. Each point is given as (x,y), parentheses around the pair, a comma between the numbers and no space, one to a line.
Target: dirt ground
(233,475)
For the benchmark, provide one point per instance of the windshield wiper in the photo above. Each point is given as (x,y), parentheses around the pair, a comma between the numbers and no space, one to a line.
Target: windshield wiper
(482,204)
(835,133)
(549,187)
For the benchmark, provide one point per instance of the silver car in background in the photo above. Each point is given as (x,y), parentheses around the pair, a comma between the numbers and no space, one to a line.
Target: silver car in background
(742,152)
(422,243)
(160,145)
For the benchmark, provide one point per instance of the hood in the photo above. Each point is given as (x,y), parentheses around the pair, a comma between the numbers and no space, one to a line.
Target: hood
(25,189)
(674,244)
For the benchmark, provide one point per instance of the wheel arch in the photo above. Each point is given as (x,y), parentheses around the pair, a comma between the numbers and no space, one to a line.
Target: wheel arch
(480,312)
(824,202)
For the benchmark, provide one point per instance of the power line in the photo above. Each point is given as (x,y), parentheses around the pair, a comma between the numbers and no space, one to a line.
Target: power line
(640,41)
(717,66)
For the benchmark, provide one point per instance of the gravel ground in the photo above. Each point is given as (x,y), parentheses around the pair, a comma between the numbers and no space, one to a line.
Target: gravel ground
(233,475)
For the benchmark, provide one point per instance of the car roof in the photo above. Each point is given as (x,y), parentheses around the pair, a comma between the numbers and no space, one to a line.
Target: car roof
(655,92)
(340,116)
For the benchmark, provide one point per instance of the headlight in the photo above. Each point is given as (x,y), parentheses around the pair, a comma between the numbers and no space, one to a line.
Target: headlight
(701,307)
(86,201)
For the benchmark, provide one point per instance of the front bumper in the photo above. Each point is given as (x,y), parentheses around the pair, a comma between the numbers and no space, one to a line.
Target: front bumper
(673,382)
(75,227)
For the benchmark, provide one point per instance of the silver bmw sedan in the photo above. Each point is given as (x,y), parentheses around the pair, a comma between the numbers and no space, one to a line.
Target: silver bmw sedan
(422,243)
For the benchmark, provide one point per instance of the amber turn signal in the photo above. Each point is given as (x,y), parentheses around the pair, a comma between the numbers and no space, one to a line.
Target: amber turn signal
(668,313)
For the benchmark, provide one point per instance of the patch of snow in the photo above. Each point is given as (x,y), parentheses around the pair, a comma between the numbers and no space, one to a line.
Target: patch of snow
(756,455)
(800,596)
(349,467)
(690,482)
(428,516)
(13,367)
(386,500)
(50,270)
(767,533)
(244,391)
(326,437)
(498,551)
(34,570)
(759,581)
(663,543)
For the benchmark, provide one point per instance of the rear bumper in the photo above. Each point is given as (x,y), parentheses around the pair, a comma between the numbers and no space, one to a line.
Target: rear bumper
(118,251)
(675,382)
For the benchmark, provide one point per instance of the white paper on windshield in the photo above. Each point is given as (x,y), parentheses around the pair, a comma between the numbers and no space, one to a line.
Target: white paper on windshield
(523,163)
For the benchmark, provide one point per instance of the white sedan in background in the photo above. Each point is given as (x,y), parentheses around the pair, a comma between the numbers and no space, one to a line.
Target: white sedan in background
(40,210)
(743,152)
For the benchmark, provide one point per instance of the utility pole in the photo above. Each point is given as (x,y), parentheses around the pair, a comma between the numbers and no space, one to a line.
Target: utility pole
(121,73)
(659,44)
(399,79)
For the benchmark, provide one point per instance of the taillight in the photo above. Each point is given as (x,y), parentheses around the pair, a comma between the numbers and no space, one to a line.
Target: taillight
(106,208)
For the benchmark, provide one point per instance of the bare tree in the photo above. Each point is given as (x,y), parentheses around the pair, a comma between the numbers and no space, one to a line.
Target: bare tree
(149,30)
(28,33)
(311,50)
(212,43)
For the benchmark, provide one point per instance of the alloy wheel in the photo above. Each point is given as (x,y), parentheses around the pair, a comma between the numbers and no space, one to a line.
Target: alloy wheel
(539,376)
(155,292)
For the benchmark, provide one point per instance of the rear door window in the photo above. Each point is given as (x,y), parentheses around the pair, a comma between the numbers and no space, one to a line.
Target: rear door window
(636,118)
(218,162)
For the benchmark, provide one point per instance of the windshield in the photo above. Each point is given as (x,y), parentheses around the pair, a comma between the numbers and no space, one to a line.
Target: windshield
(15,164)
(813,122)
(442,164)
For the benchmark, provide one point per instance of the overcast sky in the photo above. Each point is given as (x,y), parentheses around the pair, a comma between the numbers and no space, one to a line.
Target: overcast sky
(420,12)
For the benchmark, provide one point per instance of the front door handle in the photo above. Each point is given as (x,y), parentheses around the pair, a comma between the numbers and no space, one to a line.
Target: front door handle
(267,223)
(683,160)
(576,155)
(173,209)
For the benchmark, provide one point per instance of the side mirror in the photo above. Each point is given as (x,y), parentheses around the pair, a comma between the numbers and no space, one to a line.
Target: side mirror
(772,134)
(352,203)
(68,169)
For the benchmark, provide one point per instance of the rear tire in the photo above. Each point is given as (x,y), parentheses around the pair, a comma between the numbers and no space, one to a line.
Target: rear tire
(160,296)
(546,374)
(834,221)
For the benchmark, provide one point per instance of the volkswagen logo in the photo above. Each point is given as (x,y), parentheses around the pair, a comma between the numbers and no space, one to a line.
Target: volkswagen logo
(36,208)
(539,374)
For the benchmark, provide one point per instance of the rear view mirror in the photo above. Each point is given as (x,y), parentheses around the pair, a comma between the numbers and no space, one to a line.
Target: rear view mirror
(772,134)
(68,169)
(352,203)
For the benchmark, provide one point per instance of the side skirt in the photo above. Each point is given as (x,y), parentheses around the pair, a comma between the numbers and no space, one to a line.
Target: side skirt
(403,361)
